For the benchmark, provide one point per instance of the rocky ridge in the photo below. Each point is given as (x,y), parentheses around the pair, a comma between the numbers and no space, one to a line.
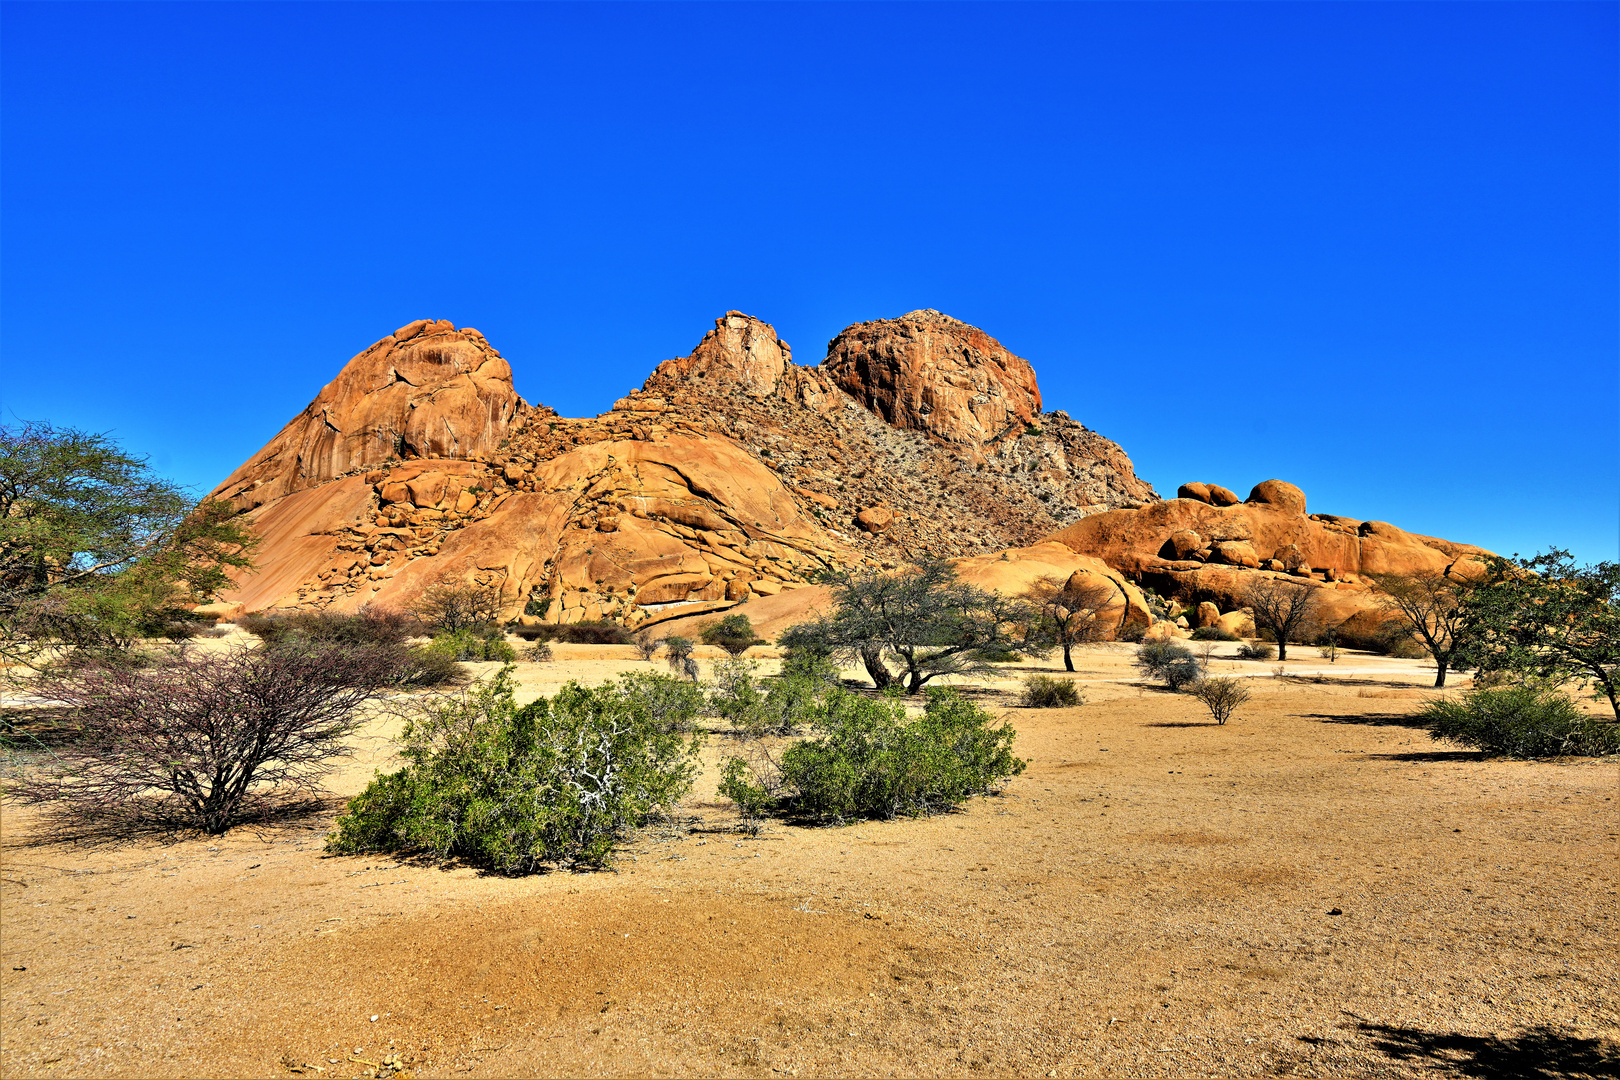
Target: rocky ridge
(686,493)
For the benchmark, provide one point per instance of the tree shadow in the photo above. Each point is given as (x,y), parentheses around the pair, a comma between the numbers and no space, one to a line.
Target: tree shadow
(159,823)
(1405,720)
(1543,1051)
(1183,723)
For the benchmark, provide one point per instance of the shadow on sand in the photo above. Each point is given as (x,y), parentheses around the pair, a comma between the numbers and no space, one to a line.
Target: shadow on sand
(1535,1053)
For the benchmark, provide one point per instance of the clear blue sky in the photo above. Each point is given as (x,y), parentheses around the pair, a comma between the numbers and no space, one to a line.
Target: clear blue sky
(1367,248)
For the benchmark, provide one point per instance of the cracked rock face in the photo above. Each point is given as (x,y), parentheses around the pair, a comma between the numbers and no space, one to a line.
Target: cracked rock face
(929,372)
(426,390)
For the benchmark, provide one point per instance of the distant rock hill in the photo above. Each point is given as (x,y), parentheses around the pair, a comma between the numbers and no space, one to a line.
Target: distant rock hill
(733,474)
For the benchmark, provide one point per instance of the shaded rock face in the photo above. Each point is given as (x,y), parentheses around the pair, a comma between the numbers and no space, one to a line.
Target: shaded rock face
(929,372)
(426,390)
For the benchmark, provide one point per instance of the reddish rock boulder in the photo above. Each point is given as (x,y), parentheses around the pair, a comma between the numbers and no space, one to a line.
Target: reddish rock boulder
(929,372)
(740,349)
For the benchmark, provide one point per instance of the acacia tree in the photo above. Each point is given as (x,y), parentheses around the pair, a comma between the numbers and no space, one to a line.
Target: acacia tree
(1069,611)
(95,550)
(449,606)
(1286,608)
(1428,604)
(921,618)
(1547,618)
(195,738)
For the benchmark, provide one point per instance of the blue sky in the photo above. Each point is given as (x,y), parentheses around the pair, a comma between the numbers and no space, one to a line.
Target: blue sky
(1367,248)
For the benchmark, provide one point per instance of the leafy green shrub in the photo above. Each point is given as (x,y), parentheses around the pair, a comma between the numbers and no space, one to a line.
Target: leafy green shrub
(869,761)
(467,645)
(1256,650)
(1170,662)
(1221,697)
(756,709)
(1000,654)
(1519,721)
(539,653)
(1045,692)
(734,633)
(534,633)
(1214,633)
(743,785)
(511,788)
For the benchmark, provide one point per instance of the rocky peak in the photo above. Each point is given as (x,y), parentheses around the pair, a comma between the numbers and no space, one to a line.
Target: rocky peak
(370,413)
(740,349)
(929,372)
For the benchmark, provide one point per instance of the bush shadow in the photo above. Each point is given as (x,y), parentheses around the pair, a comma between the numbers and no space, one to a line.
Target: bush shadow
(162,824)
(1432,755)
(1183,723)
(1543,1051)
(1405,720)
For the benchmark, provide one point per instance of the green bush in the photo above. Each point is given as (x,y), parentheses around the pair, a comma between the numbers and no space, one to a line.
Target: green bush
(466,645)
(510,788)
(1519,721)
(370,625)
(1257,650)
(1169,661)
(1214,633)
(1045,692)
(871,762)
(734,633)
(999,654)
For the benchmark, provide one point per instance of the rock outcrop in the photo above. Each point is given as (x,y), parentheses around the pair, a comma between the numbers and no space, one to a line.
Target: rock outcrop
(1201,551)
(736,475)
(733,474)
(929,372)
(427,390)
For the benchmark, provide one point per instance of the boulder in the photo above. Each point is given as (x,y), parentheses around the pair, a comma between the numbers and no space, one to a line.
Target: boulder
(1194,490)
(1234,553)
(1280,495)
(1183,544)
(1239,623)
(1220,496)
(1208,614)
(929,372)
(874,519)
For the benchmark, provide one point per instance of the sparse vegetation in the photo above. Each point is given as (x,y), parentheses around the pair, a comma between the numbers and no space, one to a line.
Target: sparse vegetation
(1045,692)
(447,606)
(1519,721)
(1426,606)
(1256,650)
(647,645)
(1070,611)
(1214,633)
(464,644)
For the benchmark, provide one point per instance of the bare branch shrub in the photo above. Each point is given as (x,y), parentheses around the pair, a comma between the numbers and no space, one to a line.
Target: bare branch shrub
(1221,696)
(447,606)
(197,738)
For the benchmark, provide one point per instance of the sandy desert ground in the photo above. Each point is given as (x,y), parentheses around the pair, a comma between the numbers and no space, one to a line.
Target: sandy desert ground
(1315,889)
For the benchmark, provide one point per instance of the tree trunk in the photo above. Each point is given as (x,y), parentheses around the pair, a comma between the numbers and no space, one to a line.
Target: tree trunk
(872,658)
(915,684)
(1440,675)
(1282,647)
(1068,661)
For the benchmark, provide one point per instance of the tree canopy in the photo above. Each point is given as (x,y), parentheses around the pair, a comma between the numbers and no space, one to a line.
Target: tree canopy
(1549,619)
(921,618)
(95,549)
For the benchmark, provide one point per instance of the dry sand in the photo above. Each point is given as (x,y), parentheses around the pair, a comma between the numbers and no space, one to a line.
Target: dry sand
(1314,889)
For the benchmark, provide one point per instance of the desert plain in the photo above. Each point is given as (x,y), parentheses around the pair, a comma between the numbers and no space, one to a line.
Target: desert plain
(1315,889)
